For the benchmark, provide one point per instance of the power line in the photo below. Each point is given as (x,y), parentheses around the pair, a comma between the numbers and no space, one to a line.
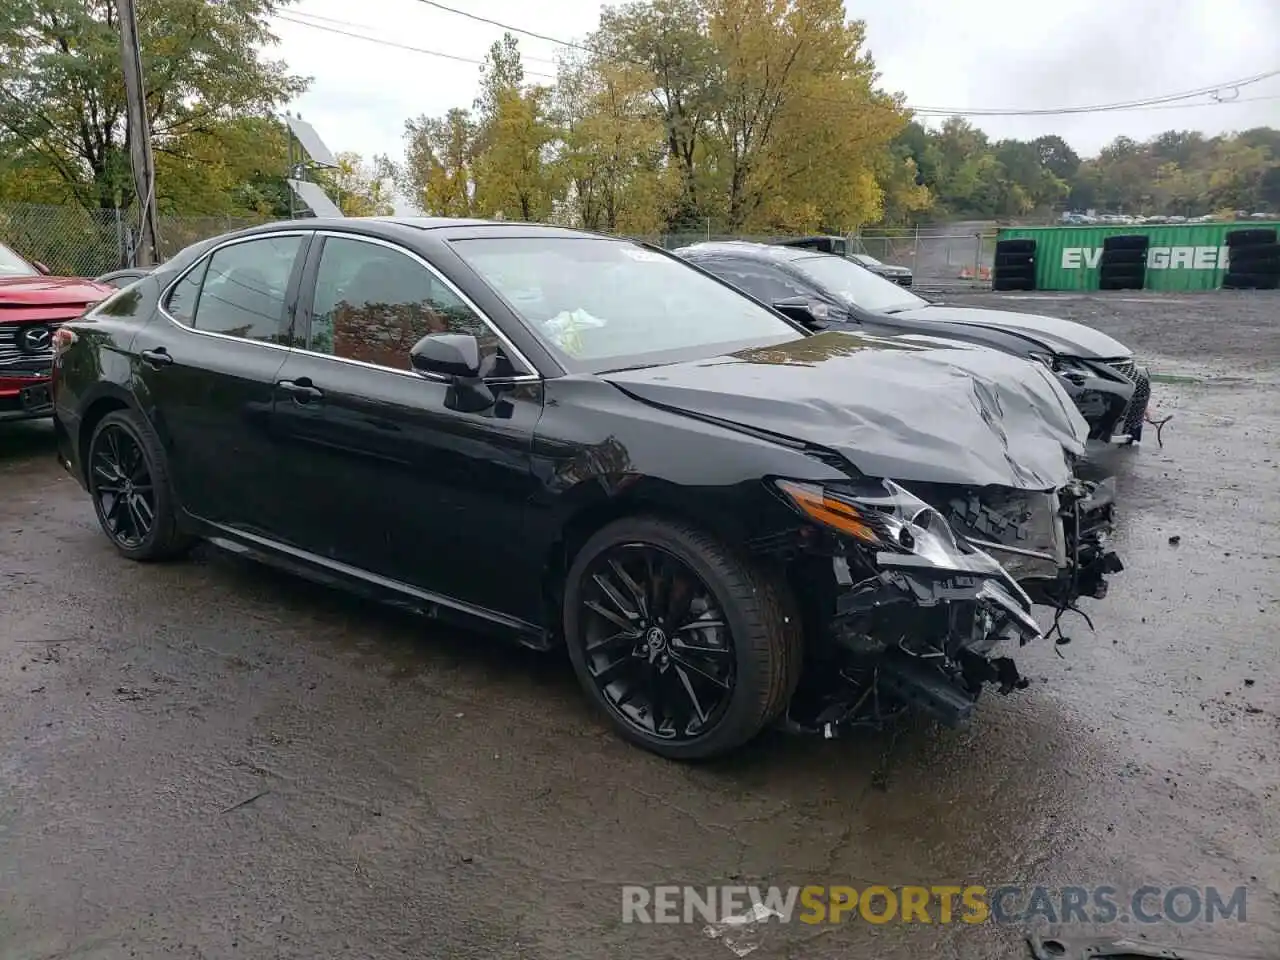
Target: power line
(364,26)
(1106,107)
(1165,101)
(1157,106)
(398,46)
(1141,103)
(504,26)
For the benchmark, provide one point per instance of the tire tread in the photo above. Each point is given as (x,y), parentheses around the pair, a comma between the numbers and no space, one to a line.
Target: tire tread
(773,639)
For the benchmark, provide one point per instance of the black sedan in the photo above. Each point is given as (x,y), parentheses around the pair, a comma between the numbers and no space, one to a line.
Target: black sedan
(1097,371)
(523,427)
(123,277)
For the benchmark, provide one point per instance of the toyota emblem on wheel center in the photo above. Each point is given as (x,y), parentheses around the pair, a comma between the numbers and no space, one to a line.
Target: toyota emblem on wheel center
(35,339)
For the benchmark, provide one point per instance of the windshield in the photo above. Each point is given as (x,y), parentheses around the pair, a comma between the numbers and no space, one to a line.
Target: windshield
(857,285)
(12,265)
(866,259)
(604,304)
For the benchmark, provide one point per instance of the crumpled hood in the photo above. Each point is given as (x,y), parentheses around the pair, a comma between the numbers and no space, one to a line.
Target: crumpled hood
(909,412)
(1064,337)
(50,291)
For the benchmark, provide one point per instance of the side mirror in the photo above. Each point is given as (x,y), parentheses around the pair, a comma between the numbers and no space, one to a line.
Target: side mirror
(40,266)
(803,312)
(447,354)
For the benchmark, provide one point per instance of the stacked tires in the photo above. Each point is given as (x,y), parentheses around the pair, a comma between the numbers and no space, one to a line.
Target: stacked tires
(1015,265)
(1254,260)
(1124,262)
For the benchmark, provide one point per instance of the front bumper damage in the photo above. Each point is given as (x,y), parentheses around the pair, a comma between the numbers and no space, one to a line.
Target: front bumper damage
(909,639)
(1112,396)
(1056,545)
(901,633)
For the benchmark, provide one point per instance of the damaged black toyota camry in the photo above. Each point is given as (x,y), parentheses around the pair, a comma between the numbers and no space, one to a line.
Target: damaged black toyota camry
(729,521)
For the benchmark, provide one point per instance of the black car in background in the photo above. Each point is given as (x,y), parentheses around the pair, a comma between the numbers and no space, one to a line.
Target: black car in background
(581,440)
(839,246)
(123,277)
(1099,373)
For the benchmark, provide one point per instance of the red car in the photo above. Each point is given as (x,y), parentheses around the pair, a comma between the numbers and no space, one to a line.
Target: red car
(32,304)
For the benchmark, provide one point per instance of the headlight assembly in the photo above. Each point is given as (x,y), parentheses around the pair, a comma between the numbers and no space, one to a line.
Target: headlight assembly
(1048,359)
(905,531)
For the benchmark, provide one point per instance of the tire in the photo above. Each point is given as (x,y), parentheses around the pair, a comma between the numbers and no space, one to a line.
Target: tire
(163,540)
(764,634)
(1128,241)
(1123,256)
(1023,246)
(1027,272)
(1014,260)
(1258,253)
(1250,281)
(1013,283)
(1125,272)
(1260,268)
(1121,283)
(1251,237)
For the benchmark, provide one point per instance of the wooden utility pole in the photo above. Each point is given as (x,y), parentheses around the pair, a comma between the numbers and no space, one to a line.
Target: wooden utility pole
(140,156)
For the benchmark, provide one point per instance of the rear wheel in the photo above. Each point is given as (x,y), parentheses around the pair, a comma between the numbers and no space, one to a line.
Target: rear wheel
(129,482)
(688,649)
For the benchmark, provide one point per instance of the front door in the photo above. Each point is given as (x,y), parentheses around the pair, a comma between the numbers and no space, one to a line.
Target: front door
(207,369)
(387,474)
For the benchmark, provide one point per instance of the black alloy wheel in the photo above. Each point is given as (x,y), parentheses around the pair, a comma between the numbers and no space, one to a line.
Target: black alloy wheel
(127,476)
(122,487)
(657,644)
(688,648)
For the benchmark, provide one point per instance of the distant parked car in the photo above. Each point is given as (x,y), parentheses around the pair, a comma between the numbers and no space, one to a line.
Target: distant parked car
(1098,372)
(900,275)
(122,278)
(32,305)
(840,247)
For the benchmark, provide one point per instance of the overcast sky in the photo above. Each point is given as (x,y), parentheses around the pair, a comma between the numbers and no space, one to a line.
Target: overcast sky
(957,54)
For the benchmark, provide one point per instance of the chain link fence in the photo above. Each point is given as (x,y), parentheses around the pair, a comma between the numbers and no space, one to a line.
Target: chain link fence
(72,241)
(941,256)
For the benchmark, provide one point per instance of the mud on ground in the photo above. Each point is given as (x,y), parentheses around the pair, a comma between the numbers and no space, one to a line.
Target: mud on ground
(207,759)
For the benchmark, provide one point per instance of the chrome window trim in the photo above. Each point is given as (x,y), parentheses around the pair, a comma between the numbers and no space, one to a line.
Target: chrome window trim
(493,328)
(162,303)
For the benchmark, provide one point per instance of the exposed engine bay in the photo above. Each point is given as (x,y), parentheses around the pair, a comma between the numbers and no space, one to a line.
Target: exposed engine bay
(922,624)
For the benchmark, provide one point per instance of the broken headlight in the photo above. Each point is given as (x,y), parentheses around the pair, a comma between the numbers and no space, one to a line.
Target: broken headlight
(904,530)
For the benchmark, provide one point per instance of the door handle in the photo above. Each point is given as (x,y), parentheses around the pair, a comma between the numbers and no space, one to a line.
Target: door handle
(159,357)
(301,390)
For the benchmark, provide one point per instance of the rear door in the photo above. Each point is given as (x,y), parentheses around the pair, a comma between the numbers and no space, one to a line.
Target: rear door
(207,370)
(386,473)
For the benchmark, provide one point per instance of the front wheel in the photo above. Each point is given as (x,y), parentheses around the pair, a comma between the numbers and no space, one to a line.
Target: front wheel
(688,649)
(129,482)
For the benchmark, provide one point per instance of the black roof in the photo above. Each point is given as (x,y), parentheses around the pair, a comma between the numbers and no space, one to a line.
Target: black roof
(445,228)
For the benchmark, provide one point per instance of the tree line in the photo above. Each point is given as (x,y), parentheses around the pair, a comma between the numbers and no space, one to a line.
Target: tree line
(748,116)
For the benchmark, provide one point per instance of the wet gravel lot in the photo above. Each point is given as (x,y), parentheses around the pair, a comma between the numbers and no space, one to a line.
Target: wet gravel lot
(209,759)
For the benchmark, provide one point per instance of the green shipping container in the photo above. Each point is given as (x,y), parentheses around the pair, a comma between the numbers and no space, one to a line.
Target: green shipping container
(1190,256)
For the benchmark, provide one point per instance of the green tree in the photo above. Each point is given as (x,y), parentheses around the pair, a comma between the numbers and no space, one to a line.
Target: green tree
(513,173)
(438,172)
(62,93)
(359,189)
(612,151)
(669,39)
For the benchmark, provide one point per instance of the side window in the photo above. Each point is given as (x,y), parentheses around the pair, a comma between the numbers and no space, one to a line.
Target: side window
(373,303)
(243,294)
(181,304)
(762,281)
